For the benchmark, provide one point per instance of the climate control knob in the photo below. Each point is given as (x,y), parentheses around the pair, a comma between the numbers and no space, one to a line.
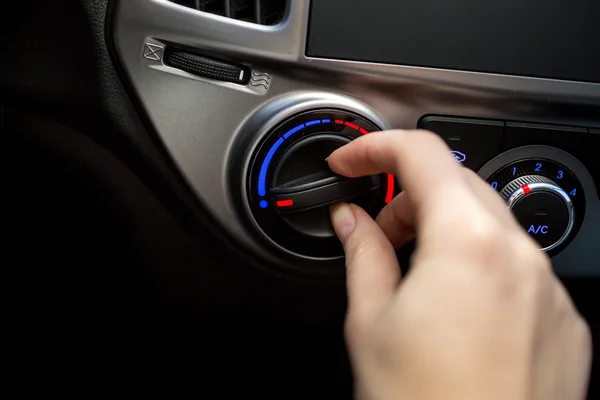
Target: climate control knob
(543,208)
(290,187)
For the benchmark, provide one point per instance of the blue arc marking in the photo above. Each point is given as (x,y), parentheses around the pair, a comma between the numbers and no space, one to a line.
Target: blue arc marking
(292,131)
(262,177)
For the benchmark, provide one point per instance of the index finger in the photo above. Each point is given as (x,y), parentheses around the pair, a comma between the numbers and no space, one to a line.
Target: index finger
(420,159)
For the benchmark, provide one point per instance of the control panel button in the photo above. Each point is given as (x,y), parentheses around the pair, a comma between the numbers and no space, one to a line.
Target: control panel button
(575,140)
(586,151)
(523,134)
(544,216)
(472,142)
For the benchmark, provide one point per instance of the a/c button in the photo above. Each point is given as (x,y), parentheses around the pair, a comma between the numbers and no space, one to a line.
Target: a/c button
(544,216)
(473,142)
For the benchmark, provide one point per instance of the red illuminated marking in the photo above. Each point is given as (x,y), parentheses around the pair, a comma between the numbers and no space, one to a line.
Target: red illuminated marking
(285,203)
(353,126)
(363,131)
(390,189)
(339,121)
(526,189)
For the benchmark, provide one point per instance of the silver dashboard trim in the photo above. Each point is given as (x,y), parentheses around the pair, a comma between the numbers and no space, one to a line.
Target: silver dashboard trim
(200,121)
(286,42)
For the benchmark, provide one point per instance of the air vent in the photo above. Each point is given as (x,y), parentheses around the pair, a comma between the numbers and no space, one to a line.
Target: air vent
(264,12)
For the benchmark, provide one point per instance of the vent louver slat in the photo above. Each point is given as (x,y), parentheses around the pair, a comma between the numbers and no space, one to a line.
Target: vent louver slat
(242,10)
(217,7)
(264,12)
(270,12)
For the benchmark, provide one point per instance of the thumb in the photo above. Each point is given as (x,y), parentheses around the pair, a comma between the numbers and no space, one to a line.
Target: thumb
(372,267)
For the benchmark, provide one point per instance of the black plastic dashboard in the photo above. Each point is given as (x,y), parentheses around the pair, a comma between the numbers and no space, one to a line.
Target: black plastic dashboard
(554,39)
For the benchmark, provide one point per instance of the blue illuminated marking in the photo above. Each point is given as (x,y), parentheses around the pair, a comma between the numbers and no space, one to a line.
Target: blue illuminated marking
(460,157)
(538,229)
(495,185)
(262,178)
(538,167)
(292,131)
(264,204)
(573,192)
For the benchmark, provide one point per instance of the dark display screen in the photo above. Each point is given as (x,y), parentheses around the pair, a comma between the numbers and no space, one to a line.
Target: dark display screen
(557,39)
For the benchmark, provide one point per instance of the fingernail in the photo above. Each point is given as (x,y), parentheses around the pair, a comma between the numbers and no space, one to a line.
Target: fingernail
(327,159)
(343,221)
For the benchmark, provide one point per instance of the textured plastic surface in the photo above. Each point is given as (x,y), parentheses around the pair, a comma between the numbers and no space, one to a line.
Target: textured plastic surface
(323,192)
(543,38)
(206,67)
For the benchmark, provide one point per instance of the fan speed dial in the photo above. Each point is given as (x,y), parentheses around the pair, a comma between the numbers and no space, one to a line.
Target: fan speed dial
(545,197)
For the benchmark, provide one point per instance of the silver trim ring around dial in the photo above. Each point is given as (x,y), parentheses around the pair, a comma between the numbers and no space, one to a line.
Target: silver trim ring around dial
(548,187)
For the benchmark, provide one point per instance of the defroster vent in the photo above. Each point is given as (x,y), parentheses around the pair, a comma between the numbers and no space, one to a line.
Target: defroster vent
(264,12)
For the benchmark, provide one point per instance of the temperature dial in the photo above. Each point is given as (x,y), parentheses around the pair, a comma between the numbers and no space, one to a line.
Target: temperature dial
(291,187)
(545,198)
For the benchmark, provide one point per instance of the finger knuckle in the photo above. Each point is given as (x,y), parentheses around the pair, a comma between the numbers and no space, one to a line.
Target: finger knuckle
(482,235)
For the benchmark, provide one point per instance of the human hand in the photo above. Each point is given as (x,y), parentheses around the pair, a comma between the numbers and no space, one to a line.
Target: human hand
(479,316)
